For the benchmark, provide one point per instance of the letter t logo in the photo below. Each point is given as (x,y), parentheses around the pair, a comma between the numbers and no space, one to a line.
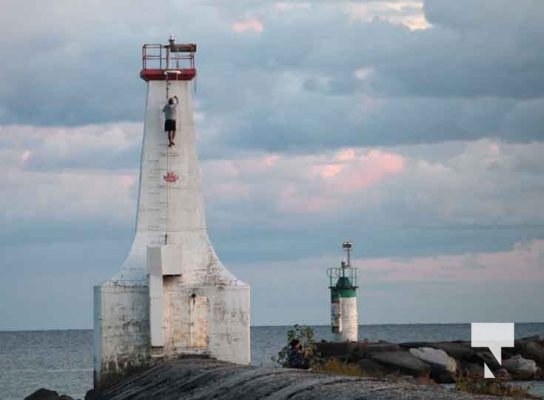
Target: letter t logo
(495,336)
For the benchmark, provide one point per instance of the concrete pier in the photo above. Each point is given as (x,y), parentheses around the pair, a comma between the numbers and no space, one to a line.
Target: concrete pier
(203,379)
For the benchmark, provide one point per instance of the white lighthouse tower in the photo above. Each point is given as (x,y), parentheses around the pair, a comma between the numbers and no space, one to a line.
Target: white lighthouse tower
(172,296)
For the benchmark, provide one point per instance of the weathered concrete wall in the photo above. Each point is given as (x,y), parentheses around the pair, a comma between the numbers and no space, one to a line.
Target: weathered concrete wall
(221,330)
(173,295)
(121,331)
(201,379)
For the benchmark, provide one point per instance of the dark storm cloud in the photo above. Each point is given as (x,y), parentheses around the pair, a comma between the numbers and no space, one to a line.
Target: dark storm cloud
(454,82)
(476,48)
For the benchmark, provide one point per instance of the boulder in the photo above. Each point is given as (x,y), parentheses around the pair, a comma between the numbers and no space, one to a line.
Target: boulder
(488,358)
(436,358)
(332,349)
(43,394)
(380,347)
(369,348)
(92,395)
(520,368)
(444,367)
(533,351)
(509,352)
(457,350)
(402,362)
(410,345)
(475,370)
(534,338)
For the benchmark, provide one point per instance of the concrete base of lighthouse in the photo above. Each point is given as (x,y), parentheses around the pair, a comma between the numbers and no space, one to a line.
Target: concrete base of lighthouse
(186,303)
(207,320)
(121,332)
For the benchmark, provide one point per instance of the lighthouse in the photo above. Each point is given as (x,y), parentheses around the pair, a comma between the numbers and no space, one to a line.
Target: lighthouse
(343,287)
(172,295)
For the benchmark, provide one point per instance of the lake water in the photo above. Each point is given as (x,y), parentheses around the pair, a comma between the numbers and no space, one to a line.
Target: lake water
(62,360)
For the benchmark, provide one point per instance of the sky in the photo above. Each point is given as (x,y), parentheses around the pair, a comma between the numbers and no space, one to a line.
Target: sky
(413,128)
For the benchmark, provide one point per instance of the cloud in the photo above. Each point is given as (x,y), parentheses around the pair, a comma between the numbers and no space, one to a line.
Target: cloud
(107,146)
(407,13)
(315,184)
(285,6)
(431,193)
(69,173)
(250,24)
(484,14)
(523,258)
(453,81)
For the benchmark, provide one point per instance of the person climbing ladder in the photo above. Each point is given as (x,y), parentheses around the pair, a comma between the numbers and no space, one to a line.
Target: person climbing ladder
(170,112)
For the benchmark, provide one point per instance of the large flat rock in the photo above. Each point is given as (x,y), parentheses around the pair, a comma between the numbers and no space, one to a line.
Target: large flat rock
(402,362)
(203,379)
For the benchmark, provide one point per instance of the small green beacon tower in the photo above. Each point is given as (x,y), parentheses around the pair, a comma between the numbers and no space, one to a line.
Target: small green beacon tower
(343,286)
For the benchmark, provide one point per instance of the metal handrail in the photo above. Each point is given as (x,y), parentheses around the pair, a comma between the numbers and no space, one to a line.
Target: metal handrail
(160,56)
(339,272)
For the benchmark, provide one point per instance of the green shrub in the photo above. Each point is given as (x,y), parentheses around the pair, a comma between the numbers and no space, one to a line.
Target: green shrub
(305,336)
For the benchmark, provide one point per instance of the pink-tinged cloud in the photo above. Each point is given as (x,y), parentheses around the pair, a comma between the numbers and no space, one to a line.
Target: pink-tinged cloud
(326,186)
(366,171)
(408,13)
(303,184)
(128,180)
(524,262)
(250,24)
(389,163)
(291,201)
(495,148)
(25,156)
(327,171)
(270,161)
(345,155)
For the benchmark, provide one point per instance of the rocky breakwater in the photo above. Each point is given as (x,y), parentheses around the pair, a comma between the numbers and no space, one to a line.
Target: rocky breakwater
(203,379)
(443,362)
